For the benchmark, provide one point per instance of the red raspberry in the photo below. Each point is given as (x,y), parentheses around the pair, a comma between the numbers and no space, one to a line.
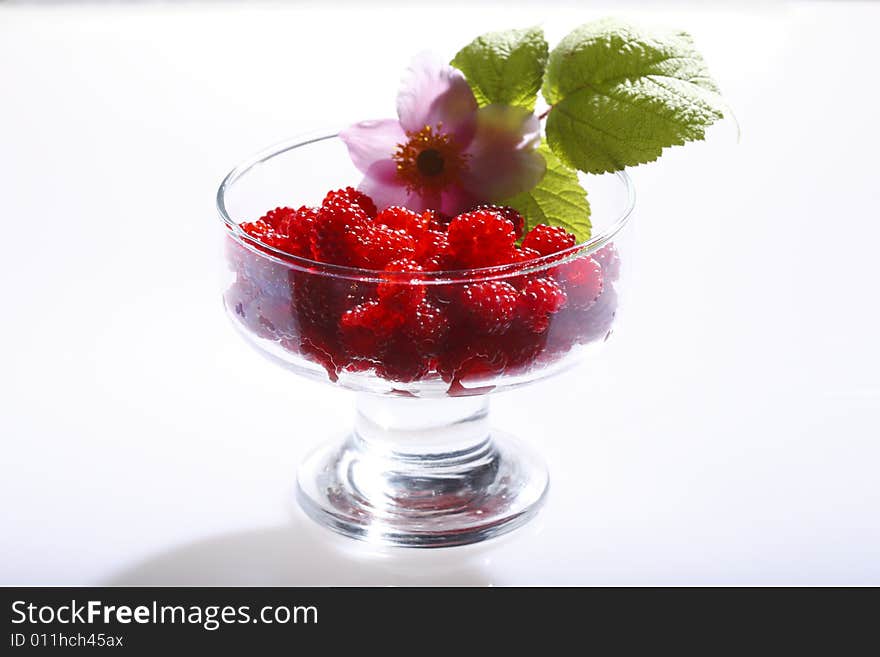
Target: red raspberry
(510,214)
(320,300)
(548,239)
(351,195)
(608,257)
(275,317)
(262,231)
(285,229)
(437,220)
(376,245)
(523,257)
(400,294)
(540,298)
(525,254)
(366,330)
(490,305)
(278,218)
(585,326)
(432,250)
(598,320)
(403,362)
(269,316)
(344,235)
(298,227)
(322,353)
(582,281)
(428,327)
(482,238)
(408,221)
(359,365)
(333,237)
(522,347)
(473,357)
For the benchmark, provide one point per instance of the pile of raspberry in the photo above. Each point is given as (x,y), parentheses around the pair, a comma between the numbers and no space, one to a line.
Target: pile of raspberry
(399,321)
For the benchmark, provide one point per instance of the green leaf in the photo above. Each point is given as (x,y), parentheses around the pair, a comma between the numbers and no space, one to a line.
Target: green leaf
(558,200)
(505,67)
(620,95)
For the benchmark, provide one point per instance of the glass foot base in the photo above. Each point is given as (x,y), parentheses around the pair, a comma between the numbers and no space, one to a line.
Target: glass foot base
(427,499)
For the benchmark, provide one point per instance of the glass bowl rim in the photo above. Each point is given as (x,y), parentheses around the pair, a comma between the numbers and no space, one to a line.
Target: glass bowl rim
(495,272)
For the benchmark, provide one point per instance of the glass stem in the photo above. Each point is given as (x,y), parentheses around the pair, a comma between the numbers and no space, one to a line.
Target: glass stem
(422,473)
(404,427)
(421,452)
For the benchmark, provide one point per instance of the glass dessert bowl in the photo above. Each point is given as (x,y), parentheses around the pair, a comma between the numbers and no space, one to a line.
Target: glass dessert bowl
(424,350)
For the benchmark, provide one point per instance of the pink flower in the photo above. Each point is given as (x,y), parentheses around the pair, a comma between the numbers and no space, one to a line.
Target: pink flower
(443,152)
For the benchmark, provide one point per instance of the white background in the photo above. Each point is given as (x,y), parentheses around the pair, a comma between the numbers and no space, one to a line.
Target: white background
(730,432)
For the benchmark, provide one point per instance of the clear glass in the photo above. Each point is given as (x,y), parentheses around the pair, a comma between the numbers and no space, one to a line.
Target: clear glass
(422,467)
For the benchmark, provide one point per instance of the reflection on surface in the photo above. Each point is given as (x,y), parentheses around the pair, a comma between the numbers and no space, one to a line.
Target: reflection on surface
(302,554)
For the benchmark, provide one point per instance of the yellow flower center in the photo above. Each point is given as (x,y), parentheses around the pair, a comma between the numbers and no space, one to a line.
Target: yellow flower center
(429,160)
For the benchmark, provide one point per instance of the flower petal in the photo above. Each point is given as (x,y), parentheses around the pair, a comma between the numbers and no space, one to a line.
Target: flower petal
(380,183)
(506,126)
(372,141)
(503,161)
(433,93)
(427,200)
(385,172)
(455,199)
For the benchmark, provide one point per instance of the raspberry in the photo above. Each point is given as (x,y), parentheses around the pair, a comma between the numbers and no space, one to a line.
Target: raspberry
(298,227)
(540,298)
(600,316)
(377,245)
(359,365)
(585,326)
(401,295)
(320,300)
(490,305)
(548,239)
(403,362)
(481,238)
(267,276)
(428,327)
(269,317)
(262,231)
(437,220)
(522,256)
(366,330)
(343,235)
(276,319)
(609,259)
(472,357)
(285,229)
(408,221)
(333,237)
(525,254)
(317,350)
(431,250)
(522,346)
(510,214)
(277,219)
(264,307)
(351,195)
(582,281)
